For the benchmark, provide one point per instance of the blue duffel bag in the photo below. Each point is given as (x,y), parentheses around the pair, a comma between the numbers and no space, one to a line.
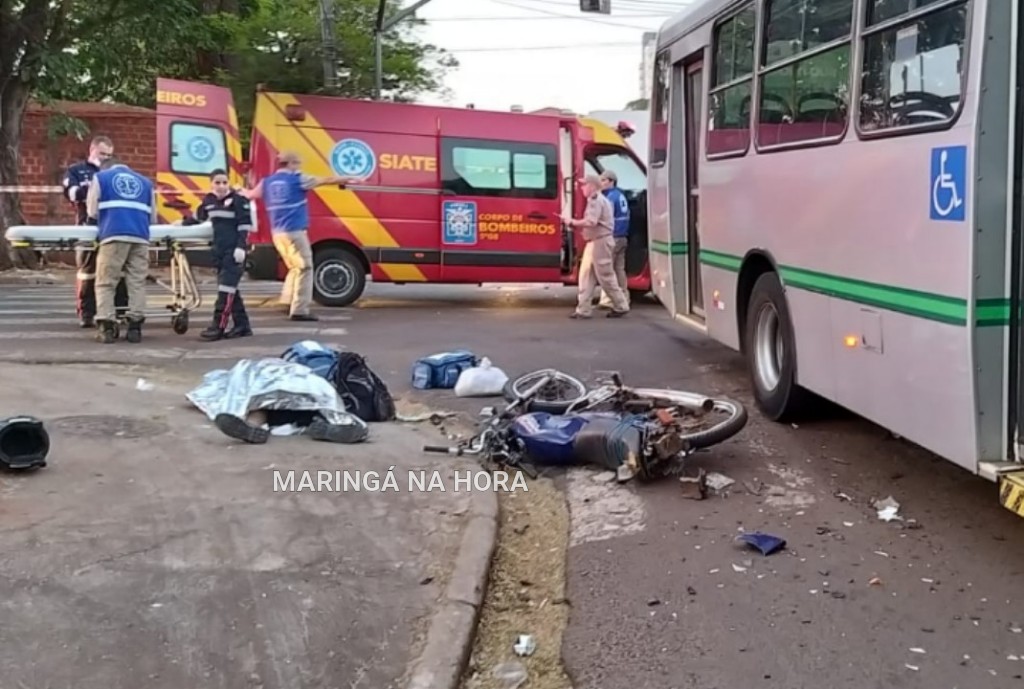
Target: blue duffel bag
(441,370)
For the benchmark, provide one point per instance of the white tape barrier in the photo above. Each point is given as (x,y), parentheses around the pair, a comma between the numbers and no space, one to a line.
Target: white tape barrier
(30,189)
(37,235)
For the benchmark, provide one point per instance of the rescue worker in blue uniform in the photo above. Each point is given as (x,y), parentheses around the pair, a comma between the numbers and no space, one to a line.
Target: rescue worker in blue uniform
(124,204)
(76,185)
(620,205)
(285,193)
(229,213)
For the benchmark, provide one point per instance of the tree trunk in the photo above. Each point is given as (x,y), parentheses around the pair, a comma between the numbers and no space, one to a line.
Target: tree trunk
(13,101)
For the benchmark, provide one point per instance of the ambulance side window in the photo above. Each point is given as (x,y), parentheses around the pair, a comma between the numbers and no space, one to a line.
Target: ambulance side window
(507,169)
(197,149)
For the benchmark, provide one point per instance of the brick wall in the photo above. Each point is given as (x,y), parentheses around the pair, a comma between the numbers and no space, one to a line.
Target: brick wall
(43,161)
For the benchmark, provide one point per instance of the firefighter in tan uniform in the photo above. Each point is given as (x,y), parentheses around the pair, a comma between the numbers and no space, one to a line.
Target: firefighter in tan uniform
(597,264)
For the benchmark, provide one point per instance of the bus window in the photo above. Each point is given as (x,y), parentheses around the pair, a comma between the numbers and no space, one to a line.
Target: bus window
(913,71)
(659,106)
(197,149)
(631,178)
(729,96)
(805,83)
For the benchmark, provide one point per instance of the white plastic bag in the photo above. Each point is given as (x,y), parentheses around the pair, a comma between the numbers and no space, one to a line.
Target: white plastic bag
(483,380)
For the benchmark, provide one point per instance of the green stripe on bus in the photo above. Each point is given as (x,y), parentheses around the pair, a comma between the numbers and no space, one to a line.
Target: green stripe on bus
(669,248)
(936,307)
(992,312)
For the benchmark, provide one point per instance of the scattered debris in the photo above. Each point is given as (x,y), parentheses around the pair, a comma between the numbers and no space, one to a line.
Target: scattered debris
(918,650)
(143,385)
(653,601)
(434,417)
(525,646)
(426,580)
(881,553)
(766,543)
(737,568)
(755,491)
(843,496)
(887,509)
(875,581)
(512,674)
(847,524)
(911,667)
(718,482)
(694,487)
(691,591)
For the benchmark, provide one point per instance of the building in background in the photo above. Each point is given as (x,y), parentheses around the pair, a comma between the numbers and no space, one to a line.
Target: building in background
(649,44)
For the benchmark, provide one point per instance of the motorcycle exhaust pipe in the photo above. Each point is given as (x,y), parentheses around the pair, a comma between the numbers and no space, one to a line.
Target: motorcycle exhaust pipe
(24,443)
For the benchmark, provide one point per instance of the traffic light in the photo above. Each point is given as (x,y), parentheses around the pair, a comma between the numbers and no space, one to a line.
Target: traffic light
(596,6)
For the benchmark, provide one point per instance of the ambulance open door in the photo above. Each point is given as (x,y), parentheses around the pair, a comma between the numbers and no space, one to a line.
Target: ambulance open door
(568,184)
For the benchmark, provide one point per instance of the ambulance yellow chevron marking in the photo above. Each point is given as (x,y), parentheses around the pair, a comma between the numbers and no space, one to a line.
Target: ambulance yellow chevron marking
(171,188)
(313,144)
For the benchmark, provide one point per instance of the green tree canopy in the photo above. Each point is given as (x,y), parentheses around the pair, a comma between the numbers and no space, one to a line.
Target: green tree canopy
(114,51)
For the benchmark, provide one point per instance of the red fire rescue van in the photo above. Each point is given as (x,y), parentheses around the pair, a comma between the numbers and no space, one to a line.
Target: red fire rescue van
(449,195)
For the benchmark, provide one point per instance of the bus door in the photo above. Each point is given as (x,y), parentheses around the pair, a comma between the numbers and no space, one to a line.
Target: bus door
(197,133)
(500,201)
(692,95)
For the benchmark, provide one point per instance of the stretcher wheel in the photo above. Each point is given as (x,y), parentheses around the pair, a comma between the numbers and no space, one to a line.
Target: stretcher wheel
(179,322)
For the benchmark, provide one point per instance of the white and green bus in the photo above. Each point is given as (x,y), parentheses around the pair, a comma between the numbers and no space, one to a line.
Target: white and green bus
(835,191)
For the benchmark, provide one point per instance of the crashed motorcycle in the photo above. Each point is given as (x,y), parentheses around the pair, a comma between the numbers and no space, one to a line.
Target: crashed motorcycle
(554,419)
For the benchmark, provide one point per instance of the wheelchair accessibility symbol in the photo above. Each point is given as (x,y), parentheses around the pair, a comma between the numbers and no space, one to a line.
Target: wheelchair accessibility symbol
(949,184)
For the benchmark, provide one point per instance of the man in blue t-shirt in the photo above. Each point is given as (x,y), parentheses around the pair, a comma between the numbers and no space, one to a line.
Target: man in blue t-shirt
(620,204)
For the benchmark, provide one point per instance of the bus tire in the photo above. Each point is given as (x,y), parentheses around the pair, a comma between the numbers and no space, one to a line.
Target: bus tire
(771,351)
(339,277)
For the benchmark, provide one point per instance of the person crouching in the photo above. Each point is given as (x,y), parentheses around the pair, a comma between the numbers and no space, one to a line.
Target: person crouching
(229,213)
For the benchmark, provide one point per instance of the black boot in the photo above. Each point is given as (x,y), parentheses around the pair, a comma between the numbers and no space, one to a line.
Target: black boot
(221,314)
(239,331)
(87,322)
(211,334)
(134,334)
(106,332)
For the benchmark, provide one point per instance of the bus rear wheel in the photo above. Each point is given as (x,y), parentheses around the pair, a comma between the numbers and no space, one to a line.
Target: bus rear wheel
(771,351)
(339,277)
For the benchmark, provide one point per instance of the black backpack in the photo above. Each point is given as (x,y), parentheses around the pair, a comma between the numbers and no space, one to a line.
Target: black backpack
(362,390)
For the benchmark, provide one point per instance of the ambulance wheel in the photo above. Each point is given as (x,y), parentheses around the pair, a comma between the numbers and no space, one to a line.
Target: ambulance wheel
(179,322)
(339,277)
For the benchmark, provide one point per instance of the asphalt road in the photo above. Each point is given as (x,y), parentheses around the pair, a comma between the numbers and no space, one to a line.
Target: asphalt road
(662,596)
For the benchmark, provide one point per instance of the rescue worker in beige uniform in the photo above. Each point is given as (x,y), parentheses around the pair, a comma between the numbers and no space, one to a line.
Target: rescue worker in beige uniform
(597,264)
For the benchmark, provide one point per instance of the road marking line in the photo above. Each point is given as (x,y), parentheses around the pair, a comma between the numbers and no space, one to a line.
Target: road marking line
(80,333)
(59,318)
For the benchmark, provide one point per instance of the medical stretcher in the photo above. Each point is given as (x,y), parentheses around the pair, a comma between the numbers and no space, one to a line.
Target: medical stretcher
(175,239)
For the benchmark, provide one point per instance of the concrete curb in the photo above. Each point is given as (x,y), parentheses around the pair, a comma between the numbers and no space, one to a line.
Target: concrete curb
(453,624)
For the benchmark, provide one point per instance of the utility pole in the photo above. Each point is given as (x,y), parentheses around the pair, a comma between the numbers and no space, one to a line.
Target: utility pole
(378,38)
(330,52)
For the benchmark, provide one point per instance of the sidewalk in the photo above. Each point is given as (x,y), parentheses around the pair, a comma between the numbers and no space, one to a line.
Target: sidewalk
(154,552)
